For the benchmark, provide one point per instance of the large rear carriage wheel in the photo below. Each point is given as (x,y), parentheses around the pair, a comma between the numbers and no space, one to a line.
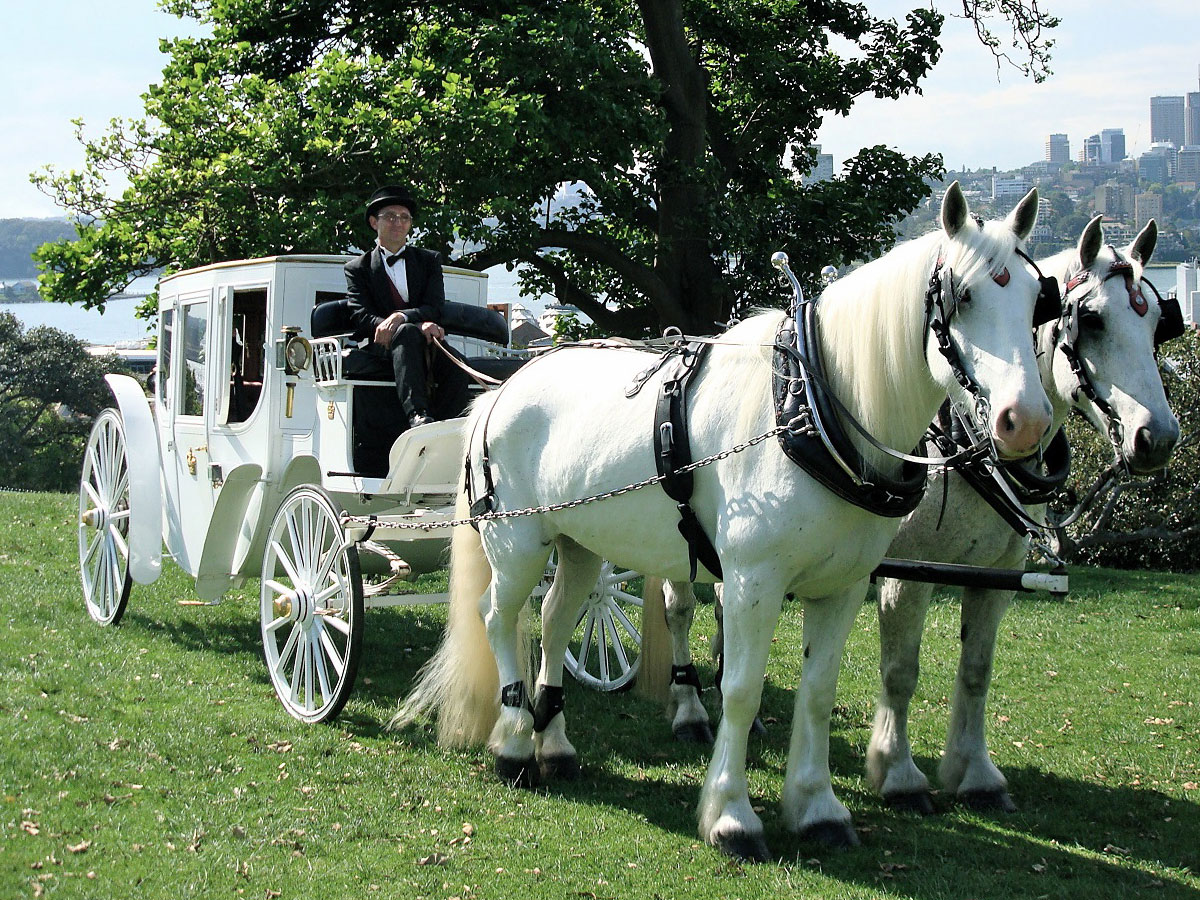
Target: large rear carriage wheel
(604,652)
(104,520)
(311,606)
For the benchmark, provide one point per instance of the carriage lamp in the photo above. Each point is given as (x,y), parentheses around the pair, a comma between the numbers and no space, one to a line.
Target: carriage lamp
(292,354)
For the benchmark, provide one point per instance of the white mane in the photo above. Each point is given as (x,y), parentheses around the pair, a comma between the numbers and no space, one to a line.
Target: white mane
(874,369)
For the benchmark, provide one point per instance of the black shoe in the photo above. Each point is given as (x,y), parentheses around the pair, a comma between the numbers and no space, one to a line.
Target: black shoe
(418,419)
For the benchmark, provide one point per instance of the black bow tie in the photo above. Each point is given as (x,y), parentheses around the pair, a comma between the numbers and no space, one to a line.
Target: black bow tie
(391,260)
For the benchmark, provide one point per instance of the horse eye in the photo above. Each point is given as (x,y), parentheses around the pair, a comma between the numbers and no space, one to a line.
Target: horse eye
(1091,320)
(1002,278)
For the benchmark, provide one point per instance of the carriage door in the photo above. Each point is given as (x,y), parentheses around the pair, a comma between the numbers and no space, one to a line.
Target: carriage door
(187,398)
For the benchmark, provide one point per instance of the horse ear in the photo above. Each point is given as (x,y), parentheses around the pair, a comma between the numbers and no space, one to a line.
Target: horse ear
(1142,247)
(1024,217)
(1090,242)
(954,210)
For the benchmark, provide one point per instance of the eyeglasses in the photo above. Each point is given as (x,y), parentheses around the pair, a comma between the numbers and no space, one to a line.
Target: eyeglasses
(395,217)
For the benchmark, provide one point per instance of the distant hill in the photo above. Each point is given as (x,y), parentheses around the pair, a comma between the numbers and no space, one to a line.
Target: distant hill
(20,237)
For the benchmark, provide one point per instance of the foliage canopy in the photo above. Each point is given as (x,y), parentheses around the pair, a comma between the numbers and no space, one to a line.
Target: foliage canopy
(50,388)
(686,125)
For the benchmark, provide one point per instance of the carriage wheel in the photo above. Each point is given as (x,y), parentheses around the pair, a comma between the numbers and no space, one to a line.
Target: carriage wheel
(311,606)
(104,520)
(604,653)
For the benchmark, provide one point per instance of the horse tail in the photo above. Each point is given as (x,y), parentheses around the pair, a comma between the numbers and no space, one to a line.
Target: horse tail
(654,671)
(460,683)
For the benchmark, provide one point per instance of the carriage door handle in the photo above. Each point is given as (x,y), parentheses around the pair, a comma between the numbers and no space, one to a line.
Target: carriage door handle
(191,457)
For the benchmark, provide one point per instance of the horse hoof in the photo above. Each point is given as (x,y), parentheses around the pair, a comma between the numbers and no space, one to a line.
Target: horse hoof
(563,768)
(757,727)
(988,801)
(832,834)
(743,846)
(521,773)
(917,801)
(694,733)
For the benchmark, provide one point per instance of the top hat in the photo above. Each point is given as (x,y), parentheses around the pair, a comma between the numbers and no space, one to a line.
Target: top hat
(390,195)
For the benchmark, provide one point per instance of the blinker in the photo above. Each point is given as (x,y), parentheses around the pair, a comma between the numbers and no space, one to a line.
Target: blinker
(1170,322)
(1049,301)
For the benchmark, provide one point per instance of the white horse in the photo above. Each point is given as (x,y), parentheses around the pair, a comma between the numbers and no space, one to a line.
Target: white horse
(1116,345)
(563,428)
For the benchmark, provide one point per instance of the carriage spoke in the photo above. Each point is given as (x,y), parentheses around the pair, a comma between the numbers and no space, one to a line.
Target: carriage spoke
(93,496)
(277,588)
(617,646)
(289,648)
(586,646)
(614,611)
(631,599)
(602,648)
(282,558)
(316,651)
(298,665)
(310,679)
(332,653)
(276,624)
(118,540)
(337,622)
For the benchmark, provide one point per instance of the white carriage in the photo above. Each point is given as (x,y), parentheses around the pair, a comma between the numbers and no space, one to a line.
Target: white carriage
(260,454)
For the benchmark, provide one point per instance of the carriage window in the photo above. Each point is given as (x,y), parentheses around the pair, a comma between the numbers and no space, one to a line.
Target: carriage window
(166,333)
(247,352)
(194,334)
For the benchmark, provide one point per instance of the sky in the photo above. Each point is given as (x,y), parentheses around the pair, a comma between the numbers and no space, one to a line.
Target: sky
(68,59)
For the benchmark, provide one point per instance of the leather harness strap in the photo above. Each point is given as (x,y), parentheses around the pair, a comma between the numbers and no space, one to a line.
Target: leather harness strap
(673,451)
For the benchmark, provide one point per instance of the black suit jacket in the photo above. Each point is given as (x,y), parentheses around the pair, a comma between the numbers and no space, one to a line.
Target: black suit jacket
(369,293)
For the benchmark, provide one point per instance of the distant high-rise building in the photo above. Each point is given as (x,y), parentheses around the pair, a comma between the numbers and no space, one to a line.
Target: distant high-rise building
(1113,199)
(1112,145)
(1188,166)
(1090,152)
(1058,149)
(1166,120)
(1008,190)
(1152,167)
(1147,206)
(1191,118)
(823,170)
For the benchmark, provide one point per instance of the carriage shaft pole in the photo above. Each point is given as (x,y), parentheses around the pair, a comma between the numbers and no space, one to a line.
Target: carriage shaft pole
(974,576)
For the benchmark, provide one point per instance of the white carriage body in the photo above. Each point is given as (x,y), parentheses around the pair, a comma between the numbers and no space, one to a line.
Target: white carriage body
(236,429)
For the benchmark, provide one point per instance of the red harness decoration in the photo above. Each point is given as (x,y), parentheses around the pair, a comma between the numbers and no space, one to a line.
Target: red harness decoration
(1136,298)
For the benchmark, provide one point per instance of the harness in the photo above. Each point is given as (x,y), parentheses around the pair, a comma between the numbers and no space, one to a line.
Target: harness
(672,447)
(1065,336)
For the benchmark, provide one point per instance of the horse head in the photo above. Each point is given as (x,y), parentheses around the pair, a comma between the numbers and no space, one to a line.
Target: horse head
(986,303)
(1101,353)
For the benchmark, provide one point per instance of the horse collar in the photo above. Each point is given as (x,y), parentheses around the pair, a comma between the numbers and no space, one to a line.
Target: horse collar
(814,438)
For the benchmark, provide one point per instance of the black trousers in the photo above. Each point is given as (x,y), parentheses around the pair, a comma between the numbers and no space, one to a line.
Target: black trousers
(427,382)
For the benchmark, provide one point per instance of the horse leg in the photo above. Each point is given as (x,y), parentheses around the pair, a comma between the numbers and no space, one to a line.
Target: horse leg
(890,766)
(689,718)
(809,805)
(966,768)
(717,645)
(727,819)
(577,572)
(511,741)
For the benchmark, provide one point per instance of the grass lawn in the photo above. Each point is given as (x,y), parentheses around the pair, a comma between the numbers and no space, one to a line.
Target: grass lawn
(153,760)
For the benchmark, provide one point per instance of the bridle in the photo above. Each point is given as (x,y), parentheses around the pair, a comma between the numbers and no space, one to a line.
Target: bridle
(1047,308)
(1065,334)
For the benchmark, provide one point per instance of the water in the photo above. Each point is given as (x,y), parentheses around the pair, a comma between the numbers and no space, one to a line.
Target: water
(119,323)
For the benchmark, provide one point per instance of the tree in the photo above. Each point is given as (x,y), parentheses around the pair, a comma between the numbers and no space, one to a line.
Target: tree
(1150,522)
(686,127)
(50,389)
